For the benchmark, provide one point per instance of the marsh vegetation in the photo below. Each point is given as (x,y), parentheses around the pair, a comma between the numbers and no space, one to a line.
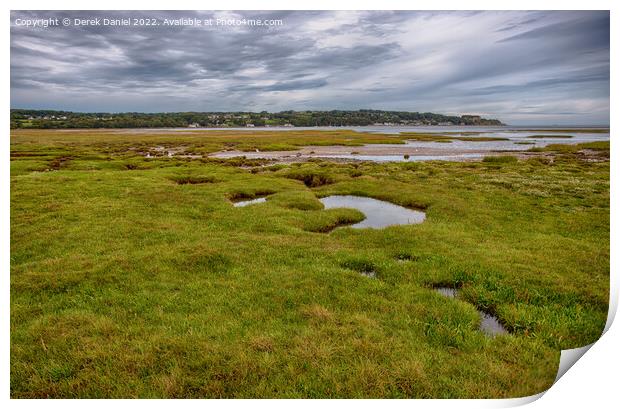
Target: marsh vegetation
(137,277)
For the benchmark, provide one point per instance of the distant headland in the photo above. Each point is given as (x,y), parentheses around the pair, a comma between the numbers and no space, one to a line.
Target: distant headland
(51,119)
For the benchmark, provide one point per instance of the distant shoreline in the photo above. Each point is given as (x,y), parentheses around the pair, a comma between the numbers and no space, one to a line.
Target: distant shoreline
(421,128)
(50,119)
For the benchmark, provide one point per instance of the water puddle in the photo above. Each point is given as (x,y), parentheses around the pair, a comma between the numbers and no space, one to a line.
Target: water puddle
(372,157)
(378,213)
(243,203)
(404,158)
(489,324)
(446,291)
(369,274)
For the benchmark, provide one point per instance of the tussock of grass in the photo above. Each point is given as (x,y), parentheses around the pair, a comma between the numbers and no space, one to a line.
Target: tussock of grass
(246,194)
(239,161)
(597,146)
(194,180)
(310,179)
(500,159)
(406,256)
(317,312)
(540,161)
(362,266)
(602,146)
(297,200)
(327,220)
(262,343)
(60,162)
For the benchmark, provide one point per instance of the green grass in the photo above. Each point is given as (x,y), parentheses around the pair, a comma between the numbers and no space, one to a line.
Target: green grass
(114,142)
(500,159)
(134,277)
(602,147)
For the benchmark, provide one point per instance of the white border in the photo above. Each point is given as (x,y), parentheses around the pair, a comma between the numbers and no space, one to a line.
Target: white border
(591,382)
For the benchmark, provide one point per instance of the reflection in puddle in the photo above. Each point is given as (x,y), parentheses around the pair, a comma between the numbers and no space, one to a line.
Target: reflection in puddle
(243,203)
(372,156)
(488,323)
(403,158)
(378,213)
(369,274)
(447,292)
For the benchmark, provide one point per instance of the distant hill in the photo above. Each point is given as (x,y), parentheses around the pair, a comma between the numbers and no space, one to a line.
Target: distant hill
(44,119)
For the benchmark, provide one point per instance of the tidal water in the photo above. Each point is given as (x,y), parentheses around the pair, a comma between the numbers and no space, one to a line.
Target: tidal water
(243,203)
(378,213)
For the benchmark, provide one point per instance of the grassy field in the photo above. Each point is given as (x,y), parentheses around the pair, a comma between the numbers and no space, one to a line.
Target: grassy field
(120,143)
(135,277)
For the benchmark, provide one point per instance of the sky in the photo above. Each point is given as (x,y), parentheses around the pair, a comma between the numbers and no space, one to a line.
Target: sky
(539,67)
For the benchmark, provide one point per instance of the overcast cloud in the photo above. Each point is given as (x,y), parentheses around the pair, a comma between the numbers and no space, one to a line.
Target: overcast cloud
(520,67)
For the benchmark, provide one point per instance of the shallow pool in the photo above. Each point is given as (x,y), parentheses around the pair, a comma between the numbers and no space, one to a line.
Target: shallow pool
(243,203)
(378,213)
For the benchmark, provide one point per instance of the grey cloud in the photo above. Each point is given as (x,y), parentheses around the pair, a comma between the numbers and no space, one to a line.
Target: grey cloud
(567,79)
(284,85)
(518,24)
(595,25)
(493,63)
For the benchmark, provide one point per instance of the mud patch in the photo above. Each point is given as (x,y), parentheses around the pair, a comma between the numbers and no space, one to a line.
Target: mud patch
(311,179)
(241,199)
(364,267)
(60,162)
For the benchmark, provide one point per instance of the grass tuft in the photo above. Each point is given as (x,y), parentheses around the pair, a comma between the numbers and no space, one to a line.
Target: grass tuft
(500,159)
(194,180)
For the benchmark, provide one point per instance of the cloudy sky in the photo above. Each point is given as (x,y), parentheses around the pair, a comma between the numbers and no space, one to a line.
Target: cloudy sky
(520,67)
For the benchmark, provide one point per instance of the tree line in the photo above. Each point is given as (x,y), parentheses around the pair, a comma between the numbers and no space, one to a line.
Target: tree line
(52,119)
